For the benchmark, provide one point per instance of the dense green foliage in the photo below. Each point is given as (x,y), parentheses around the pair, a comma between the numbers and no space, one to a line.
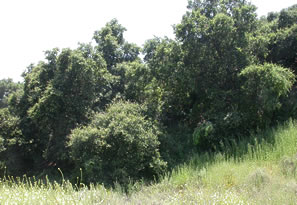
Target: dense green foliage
(263,86)
(11,143)
(102,108)
(118,145)
(8,87)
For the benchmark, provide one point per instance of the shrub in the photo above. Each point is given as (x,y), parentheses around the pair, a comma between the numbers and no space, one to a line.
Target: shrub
(203,133)
(263,87)
(118,145)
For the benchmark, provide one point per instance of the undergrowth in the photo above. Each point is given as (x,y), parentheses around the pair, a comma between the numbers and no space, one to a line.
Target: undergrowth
(260,169)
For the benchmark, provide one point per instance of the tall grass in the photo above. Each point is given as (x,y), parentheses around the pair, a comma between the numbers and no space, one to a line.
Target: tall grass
(260,169)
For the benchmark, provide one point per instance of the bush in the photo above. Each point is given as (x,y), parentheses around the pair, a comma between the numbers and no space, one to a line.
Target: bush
(263,87)
(262,92)
(119,145)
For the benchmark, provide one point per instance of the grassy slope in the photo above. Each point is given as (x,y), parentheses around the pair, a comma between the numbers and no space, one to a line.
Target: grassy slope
(261,172)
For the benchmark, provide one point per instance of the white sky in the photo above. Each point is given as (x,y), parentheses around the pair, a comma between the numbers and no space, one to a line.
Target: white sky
(29,27)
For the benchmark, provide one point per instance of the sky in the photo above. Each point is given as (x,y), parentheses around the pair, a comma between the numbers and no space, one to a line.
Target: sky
(30,27)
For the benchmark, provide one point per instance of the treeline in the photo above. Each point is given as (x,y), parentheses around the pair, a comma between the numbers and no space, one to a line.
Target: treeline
(106,112)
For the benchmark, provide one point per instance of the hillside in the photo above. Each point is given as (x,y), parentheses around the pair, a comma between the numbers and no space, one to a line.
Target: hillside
(206,117)
(263,172)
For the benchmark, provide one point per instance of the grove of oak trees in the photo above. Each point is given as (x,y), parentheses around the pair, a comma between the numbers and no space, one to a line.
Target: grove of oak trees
(119,115)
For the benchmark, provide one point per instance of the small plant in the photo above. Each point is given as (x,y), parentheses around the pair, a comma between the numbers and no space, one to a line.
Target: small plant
(288,166)
(229,180)
(203,133)
(258,178)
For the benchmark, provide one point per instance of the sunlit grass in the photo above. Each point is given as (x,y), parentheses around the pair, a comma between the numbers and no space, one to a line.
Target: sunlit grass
(254,172)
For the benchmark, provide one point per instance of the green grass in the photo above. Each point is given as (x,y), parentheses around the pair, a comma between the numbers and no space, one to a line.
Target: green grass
(258,170)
